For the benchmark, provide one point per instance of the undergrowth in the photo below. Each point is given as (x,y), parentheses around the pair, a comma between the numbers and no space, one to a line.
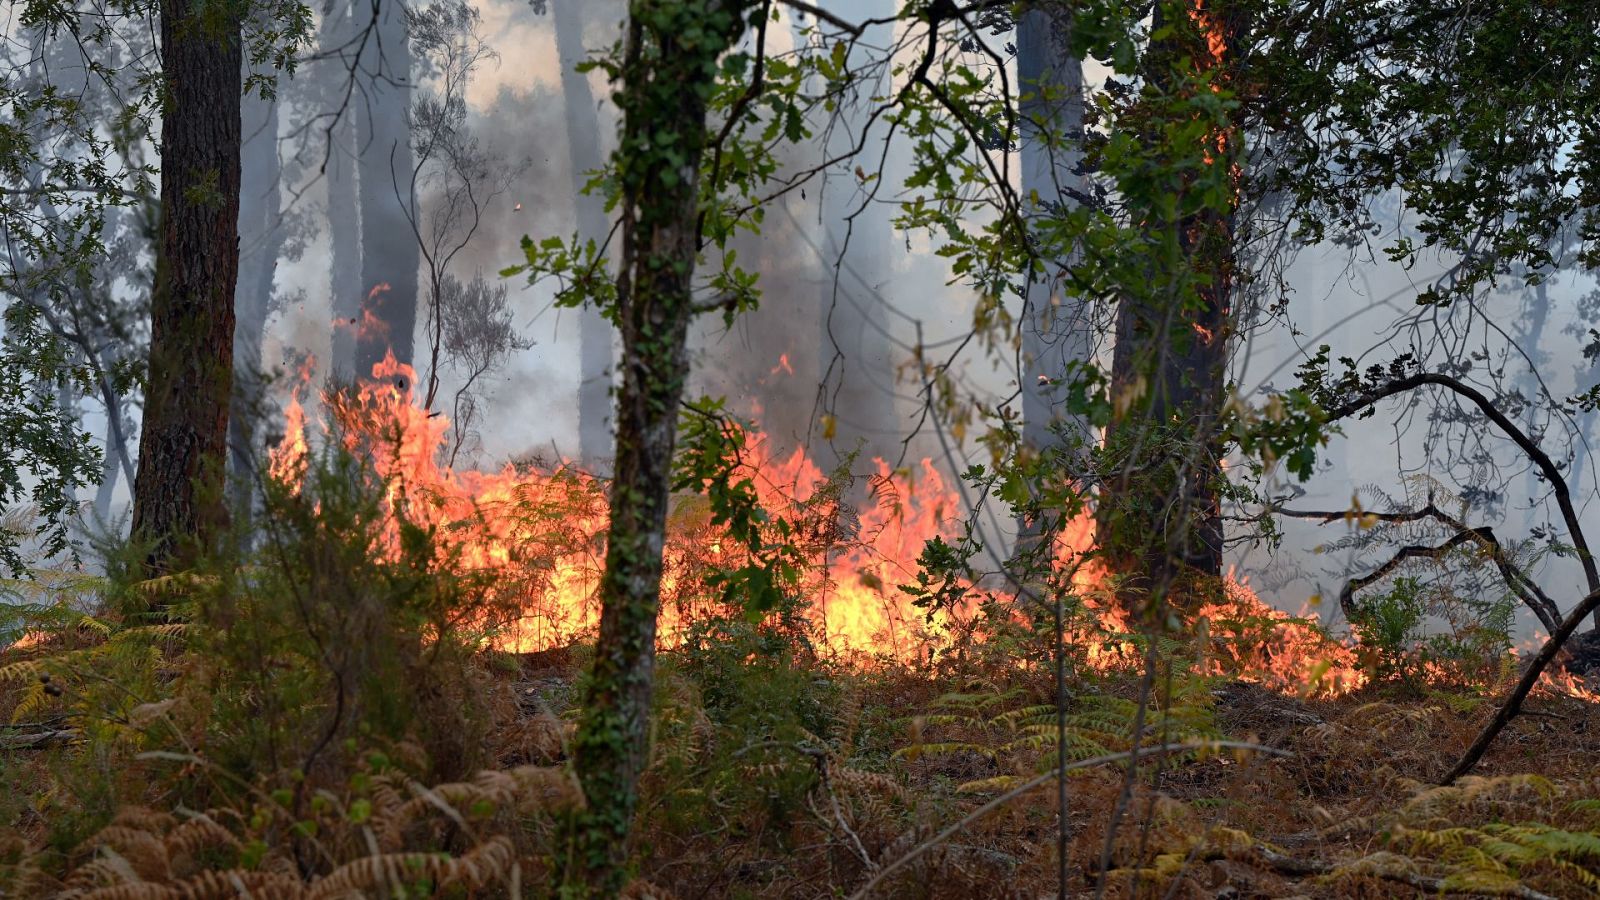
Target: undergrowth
(319,711)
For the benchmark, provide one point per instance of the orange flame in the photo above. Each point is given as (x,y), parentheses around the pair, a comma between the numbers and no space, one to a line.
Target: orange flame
(500,521)
(368,326)
(541,532)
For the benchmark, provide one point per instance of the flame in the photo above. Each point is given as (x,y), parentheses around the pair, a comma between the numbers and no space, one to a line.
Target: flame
(1215,33)
(368,326)
(506,522)
(1216,36)
(540,532)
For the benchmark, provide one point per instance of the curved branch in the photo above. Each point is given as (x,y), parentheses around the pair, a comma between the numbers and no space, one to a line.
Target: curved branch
(1411,551)
(1546,466)
(1517,580)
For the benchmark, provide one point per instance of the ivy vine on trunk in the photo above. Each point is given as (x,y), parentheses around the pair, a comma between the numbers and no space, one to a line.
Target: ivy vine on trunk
(667,74)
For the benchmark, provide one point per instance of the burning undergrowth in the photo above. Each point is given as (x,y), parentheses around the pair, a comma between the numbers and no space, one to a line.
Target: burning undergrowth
(325,702)
(539,531)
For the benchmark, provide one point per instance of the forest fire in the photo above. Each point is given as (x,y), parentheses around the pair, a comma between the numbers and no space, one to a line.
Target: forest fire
(543,529)
(541,532)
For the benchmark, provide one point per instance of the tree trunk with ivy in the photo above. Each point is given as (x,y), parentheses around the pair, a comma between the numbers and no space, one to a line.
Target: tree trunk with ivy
(668,70)
(177,494)
(1161,519)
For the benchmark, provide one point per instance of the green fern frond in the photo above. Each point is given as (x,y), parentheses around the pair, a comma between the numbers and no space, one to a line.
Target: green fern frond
(990,785)
(946,748)
(1024,714)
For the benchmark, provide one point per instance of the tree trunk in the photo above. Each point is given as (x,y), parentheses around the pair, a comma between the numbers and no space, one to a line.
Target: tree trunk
(108,478)
(177,497)
(595,356)
(1057,332)
(260,240)
(665,83)
(1161,515)
(344,218)
(390,256)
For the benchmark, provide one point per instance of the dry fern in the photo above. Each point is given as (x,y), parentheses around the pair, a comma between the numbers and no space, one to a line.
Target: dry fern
(485,864)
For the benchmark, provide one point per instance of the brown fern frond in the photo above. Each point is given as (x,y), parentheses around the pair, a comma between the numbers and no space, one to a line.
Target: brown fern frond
(142,849)
(483,865)
(199,833)
(106,869)
(213,885)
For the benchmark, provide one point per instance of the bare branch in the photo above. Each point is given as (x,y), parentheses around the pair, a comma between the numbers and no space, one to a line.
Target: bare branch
(1541,459)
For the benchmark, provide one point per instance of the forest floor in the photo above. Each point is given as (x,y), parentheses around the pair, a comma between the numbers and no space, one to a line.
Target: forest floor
(778,774)
(1349,810)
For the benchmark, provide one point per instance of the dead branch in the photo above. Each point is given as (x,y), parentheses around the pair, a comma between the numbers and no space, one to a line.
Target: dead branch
(1530,676)
(37,740)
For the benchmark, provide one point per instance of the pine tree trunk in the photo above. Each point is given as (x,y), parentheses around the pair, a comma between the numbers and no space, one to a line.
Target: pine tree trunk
(390,257)
(595,357)
(177,496)
(665,83)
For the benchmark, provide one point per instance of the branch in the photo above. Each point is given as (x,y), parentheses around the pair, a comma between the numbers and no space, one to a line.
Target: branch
(723,303)
(1530,677)
(1546,466)
(1517,580)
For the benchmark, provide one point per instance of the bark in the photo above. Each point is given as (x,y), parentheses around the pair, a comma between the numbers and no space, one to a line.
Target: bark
(390,257)
(177,498)
(260,240)
(1055,333)
(595,357)
(665,83)
(1161,517)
